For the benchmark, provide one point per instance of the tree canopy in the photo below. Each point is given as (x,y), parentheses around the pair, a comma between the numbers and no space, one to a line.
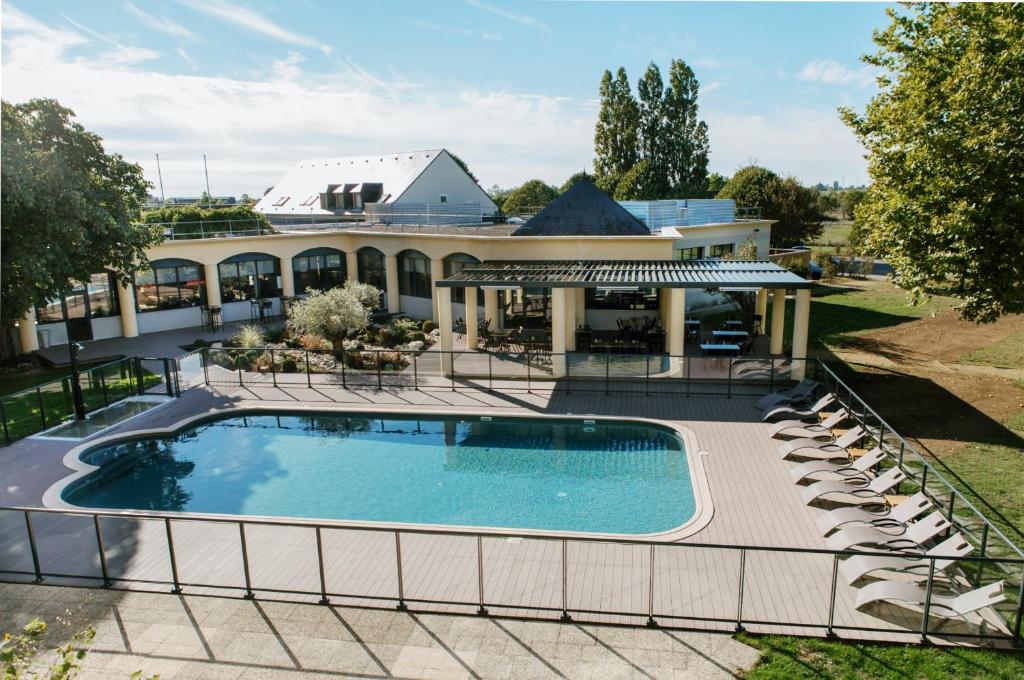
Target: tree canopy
(616,131)
(528,198)
(782,199)
(945,143)
(69,208)
(194,219)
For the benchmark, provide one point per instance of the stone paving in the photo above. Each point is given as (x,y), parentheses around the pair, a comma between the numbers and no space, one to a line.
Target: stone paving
(208,637)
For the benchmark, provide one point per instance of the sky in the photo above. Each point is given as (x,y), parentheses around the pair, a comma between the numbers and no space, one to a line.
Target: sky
(511,87)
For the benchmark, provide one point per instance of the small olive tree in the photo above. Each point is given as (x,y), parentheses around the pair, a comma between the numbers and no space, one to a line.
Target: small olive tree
(332,314)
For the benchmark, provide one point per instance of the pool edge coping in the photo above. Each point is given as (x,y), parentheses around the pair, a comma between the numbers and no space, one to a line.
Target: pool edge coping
(698,521)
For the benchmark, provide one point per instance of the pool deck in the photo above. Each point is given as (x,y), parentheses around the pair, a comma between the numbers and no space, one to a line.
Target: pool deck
(755,504)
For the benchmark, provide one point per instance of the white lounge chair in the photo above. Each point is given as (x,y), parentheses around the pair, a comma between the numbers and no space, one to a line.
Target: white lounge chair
(809,413)
(800,428)
(856,469)
(944,606)
(910,537)
(901,513)
(862,491)
(762,369)
(802,391)
(858,566)
(812,448)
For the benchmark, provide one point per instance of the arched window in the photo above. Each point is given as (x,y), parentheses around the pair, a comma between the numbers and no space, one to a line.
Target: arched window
(318,268)
(169,284)
(371,267)
(414,274)
(249,276)
(455,263)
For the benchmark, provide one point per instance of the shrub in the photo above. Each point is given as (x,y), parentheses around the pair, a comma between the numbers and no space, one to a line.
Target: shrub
(249,335)
(289,366)
(417,336)
(242,362)
(276,334)
(330,314)
(828,269)
(313,341)
(428,326)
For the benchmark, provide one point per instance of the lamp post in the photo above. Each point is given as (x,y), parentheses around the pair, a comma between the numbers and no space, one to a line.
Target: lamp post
(76,388)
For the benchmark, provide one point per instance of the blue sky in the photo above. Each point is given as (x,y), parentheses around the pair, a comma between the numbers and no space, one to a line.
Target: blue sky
(509,86)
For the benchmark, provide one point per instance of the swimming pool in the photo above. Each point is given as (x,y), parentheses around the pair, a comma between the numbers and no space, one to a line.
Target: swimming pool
(560,475)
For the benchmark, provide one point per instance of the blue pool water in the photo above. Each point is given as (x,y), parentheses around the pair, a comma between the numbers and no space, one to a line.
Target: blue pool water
(564,475)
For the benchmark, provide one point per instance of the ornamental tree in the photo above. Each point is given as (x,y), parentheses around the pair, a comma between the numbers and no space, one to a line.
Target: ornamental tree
(333,313)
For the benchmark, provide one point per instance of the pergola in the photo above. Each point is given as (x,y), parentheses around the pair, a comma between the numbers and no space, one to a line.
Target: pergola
(568,279)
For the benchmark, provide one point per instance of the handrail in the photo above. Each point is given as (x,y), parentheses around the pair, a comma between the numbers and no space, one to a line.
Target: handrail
(61,379)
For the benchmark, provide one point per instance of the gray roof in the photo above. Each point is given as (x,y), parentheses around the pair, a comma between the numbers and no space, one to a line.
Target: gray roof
(583,210)
(640,273)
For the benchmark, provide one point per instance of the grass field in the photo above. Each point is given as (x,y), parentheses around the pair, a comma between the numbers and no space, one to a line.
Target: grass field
(1006,354)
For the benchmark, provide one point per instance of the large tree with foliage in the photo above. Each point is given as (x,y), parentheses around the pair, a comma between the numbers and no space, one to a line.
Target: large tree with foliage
(529,198)
(794,207)
(616,134)
(655,134)
(69,209)
(686,147)
(945,142)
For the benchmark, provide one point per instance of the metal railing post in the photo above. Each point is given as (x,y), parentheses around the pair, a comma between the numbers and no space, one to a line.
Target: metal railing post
(565,581)
(42,407)
(398,565)
(689,367)
(490,374)
(102,551)
(647,375)
(167,377)
(240,383)
(771,375)
(568,378)
(344,383)
(173,558)
(739,598)
(1020,609)
(415,373)
(482,610)
(451,358)
(928,600)
(204,356)
(650,594)
(3,417)
(249,595)
(832,598)
(309,378)
(380,384)
(981,552)
(33,548)
(103,387)
(320,563)
(607,370)
(273,369)
(529,387)
(728,392)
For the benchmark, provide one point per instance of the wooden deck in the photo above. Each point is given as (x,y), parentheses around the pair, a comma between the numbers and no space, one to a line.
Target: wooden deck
(755,504)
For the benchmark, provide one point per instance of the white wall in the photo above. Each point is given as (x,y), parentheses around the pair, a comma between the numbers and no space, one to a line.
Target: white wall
(417,307)
(445,176)
(170,319)
(106,327)
(58,333)
(705,237)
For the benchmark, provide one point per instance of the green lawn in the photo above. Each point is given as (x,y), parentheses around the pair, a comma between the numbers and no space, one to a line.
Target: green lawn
(1006,354)
(834,233)
(790,658)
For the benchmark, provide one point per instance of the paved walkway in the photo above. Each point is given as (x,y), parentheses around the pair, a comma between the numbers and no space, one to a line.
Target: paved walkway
(203,637)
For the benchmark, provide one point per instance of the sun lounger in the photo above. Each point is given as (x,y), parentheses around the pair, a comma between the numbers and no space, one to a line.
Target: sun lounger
(911,537)
(857,468)
(762,370)
(944,606)
(812,448)
(902,513)
(799,413)
(802,391)
(861,490)
(800,428)
(858,566)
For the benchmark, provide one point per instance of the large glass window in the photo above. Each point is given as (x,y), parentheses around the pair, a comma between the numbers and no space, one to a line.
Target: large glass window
(622,298)
(319,269)
(689,253)
(722,249)
(413,274)
(170,284)
(249,276)
(94,298)
(453,264)
(371,268)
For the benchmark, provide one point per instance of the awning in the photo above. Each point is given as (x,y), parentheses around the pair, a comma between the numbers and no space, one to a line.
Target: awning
(640,273)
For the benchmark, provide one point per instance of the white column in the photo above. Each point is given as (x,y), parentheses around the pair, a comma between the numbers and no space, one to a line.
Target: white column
(436,274)
(762,309)
(352,266)
(27,332)
(471,318)
(391,279)
(212,285)
(778,320)
(570,319)
(444,325)
(581,307)
(675,330)
(491,308)
(287,277)
(559,309)
(129,318)
(801,320)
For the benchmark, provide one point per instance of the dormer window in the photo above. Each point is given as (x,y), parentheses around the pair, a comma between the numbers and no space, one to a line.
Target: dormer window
(443,198)
(311,200)
(281,201)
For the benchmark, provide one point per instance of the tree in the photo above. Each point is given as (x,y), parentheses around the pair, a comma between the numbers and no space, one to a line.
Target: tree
(715,183)
(641,183)
(686,146)
(654,132)
(69,209)
(530,197)
(849,200)
(608,183)
(945,143)
(462,164)
(827,203)
(616,130)
(333,313)
(571,182)
(782,199)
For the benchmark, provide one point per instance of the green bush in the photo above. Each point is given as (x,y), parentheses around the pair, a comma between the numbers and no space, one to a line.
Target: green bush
(428,326)
(418,335)
(276,335)
(289,366)
(242,362)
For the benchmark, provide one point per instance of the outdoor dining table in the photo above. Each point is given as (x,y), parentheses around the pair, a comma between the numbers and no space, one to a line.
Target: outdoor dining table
(501,337)
(692,322)
(730,334)
(734,323)
(720,349)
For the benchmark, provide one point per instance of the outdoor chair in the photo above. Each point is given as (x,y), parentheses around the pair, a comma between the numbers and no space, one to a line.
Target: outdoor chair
(859,566)
(861,492)
(812,448)
(901,513)
(799,428)
(912,537)
(857,468)
(802,391)
(799,413)
(943,606)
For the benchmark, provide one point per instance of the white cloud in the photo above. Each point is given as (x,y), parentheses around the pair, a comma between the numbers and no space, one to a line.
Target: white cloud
(160,24)
(711,87)
(187,58)
(831,72)
(238,15)
(522,19)
(463,31)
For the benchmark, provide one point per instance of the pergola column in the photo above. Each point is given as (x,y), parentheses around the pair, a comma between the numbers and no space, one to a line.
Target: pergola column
(559,311)
(676,324)
(129,318)
(212,275)
(778,320)
(801,321)
(471,318)
(391,279)
(352,266)
(444,326)
(581,307)
(436,274)
(491,308)
(762,309)
(287,278)
(27,332)
(570,319)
